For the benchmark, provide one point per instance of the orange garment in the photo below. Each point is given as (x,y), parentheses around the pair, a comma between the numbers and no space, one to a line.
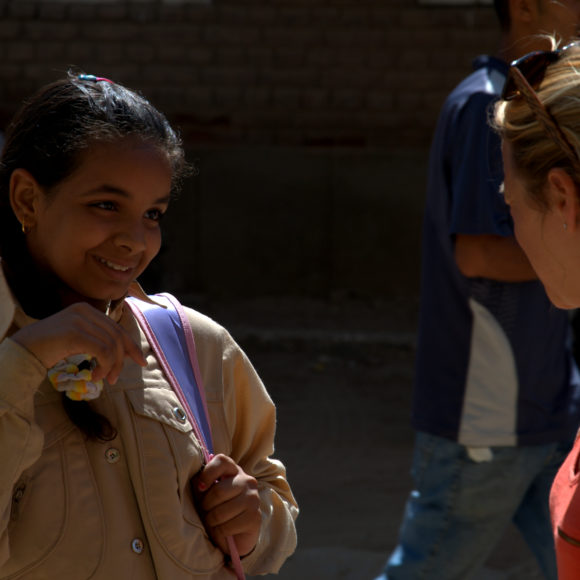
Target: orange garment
(565,510)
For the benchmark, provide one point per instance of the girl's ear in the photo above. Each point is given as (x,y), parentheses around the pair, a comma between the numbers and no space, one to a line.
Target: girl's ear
(564,197)
(24,196)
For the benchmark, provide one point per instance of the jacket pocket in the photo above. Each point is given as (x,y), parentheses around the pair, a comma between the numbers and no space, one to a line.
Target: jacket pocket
(56,526)
(169,455)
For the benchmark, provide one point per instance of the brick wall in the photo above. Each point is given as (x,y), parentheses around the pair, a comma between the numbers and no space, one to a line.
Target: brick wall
(310,121)
(267,72)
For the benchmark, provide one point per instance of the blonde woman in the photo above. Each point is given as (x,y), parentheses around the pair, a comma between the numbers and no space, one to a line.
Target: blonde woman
(494,409)
(538,119)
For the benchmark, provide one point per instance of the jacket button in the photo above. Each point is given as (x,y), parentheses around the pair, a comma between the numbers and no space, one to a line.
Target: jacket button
(137,546)
(180,414)
(113,455)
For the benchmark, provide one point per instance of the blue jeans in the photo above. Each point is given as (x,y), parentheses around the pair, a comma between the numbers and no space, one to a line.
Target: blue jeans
(460,508)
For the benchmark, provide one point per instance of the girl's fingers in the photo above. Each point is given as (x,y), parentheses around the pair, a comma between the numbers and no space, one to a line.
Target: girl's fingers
(229,502)
(244,531)
(132,349)
(79,329)
(236,514)
(218,467)
(229,491)
(117,344)
(240,519)
(110,359)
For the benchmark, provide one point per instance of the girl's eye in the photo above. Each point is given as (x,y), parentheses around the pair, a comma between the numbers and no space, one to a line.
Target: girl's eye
(154,214)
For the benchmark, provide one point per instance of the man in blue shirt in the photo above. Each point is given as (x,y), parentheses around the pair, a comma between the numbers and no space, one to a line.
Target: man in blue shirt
(496,402)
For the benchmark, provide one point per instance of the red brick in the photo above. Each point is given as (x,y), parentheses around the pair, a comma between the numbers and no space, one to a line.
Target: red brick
(10,29)
(140,53)
(257,96)
(198,96)
(111,32)
(111,52)
(52,11)
(345,99)
(229,34)
(227,97)
(199,55)
(259,55)
(82,11)
(288,98)
(21,9)
(44,30)
(20,51)
(112,12)
(315,98)
(230,56)
(175,33)
(227,76)
(78,52)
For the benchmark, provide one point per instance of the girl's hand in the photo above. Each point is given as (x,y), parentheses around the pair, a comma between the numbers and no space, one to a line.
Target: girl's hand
(230,504)
(81,328)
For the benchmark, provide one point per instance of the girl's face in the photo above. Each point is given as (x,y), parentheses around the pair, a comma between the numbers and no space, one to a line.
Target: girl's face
(543,237)
(99,229)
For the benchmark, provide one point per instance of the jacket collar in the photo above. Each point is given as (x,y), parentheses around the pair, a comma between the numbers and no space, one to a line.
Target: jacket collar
(8,304)
(135,291)
(11,312)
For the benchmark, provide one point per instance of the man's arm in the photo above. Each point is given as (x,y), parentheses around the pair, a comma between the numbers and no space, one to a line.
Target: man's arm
(493,257)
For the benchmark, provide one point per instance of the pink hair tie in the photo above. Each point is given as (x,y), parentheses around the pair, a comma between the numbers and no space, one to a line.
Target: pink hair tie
(93,78)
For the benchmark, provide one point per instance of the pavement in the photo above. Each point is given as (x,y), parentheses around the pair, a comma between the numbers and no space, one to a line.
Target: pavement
(340,372)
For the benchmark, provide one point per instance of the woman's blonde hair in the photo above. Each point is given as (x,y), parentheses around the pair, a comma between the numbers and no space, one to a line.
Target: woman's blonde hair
(534,151)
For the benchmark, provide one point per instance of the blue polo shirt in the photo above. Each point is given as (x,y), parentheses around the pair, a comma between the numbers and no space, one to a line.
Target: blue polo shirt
(494,364)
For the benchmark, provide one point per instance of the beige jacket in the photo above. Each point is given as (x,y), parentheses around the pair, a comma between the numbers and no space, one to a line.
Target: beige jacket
(74,509)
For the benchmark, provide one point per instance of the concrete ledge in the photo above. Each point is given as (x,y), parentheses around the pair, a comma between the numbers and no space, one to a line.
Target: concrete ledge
(339,563)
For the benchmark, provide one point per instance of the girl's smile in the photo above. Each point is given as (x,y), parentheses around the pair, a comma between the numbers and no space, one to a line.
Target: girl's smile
(99,229)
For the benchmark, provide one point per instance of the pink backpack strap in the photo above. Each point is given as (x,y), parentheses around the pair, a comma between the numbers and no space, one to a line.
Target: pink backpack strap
(170,335)
(171,338)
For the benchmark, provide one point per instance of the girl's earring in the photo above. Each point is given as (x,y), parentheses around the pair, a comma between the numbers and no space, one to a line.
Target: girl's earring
(24,228)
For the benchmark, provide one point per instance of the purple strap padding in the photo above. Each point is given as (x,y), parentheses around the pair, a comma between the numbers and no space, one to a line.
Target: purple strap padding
(166,332)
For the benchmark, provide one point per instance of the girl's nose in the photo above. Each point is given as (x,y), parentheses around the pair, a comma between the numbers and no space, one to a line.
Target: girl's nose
(131,238)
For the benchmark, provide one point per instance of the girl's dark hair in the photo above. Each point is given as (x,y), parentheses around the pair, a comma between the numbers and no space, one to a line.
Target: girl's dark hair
(48,137)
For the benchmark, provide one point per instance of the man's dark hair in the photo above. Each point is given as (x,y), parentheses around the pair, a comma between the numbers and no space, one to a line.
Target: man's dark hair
(502,10)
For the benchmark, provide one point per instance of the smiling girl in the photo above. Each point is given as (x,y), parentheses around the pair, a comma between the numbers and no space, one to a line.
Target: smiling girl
(115,485)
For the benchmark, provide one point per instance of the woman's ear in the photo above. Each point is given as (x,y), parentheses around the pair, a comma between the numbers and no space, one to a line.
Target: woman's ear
(564,197)
(24,197)
(523,11)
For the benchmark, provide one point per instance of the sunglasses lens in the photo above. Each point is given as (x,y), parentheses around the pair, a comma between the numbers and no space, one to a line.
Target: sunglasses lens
(533,67)
(510,90)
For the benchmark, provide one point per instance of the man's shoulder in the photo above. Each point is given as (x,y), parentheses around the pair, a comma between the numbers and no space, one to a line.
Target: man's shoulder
(483,85)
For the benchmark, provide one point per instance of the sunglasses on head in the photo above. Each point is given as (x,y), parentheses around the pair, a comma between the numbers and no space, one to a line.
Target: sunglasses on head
(524,78)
